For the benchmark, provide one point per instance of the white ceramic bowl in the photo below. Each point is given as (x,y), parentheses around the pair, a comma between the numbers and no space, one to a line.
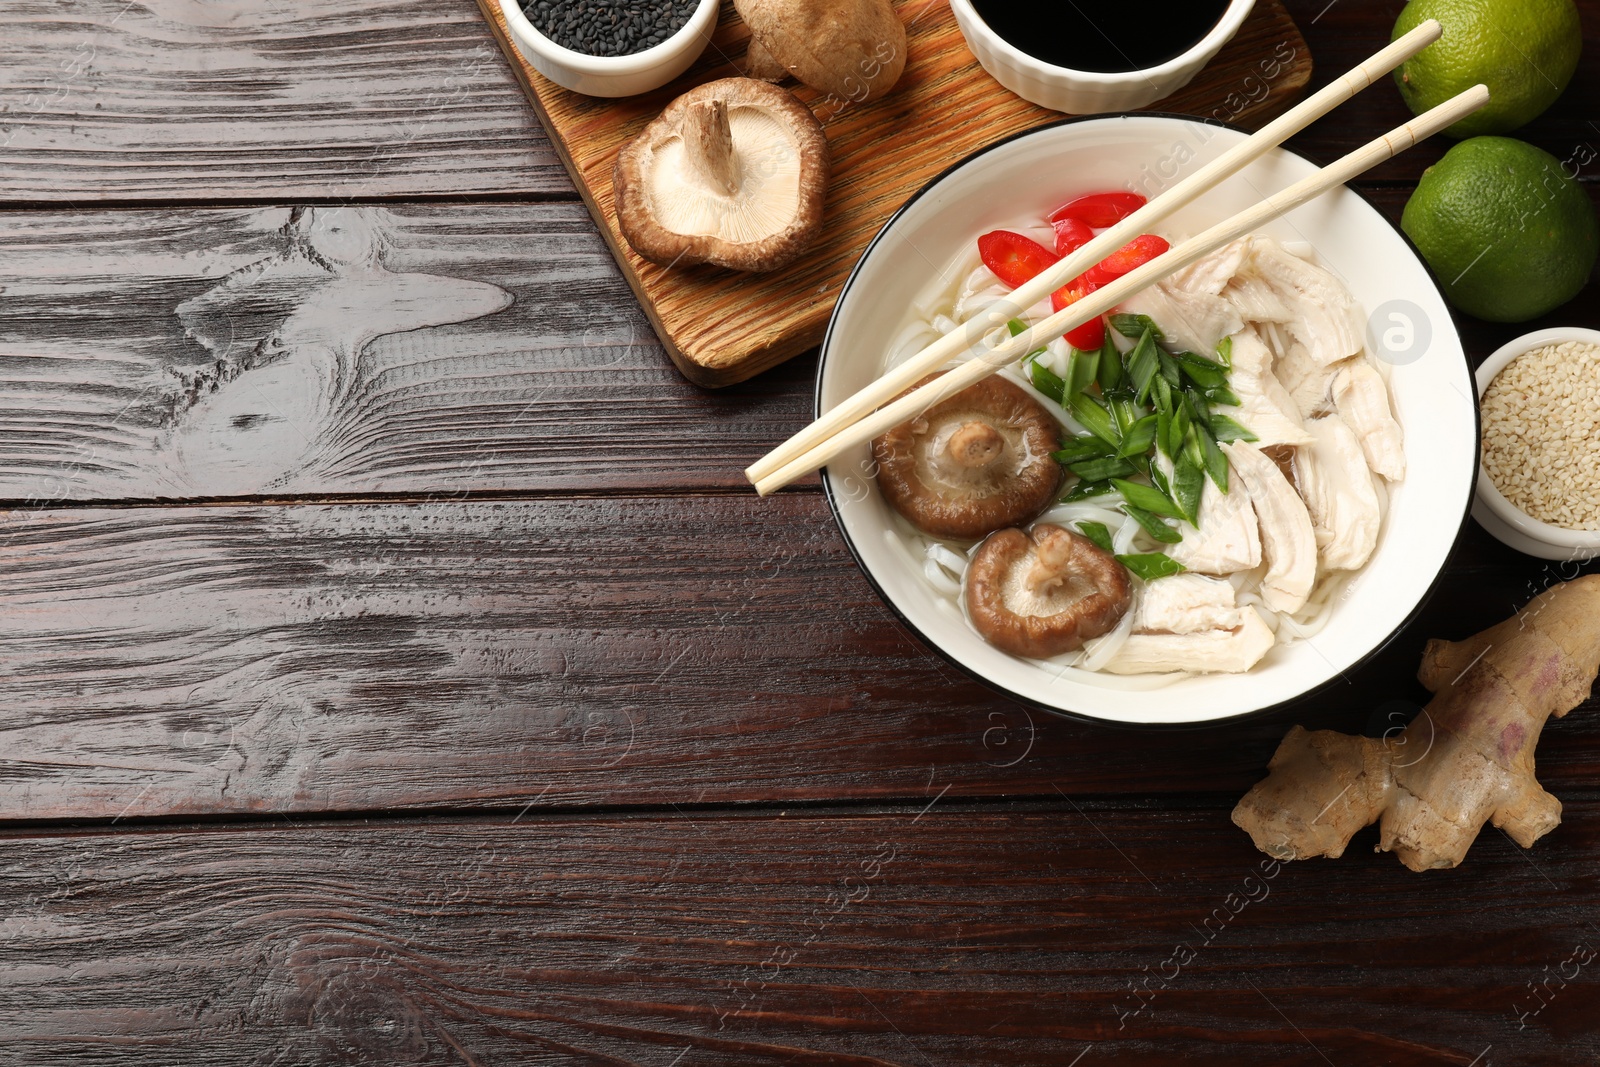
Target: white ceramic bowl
(1032,173)
(1503,519)
(613,75)
(1082,92)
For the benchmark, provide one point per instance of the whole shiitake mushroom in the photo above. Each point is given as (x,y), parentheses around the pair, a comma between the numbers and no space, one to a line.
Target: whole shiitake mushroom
(1041,593)
(973,463)
(732,173)
(852,49)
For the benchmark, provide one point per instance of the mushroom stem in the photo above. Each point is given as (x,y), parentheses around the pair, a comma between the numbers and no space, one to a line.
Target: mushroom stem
(1052,565)
(708,146)
(976,444)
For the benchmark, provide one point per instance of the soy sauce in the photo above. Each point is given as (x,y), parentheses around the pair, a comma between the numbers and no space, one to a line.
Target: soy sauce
(1104,36)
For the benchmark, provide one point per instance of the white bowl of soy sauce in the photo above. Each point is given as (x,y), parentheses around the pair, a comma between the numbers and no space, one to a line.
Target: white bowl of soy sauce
(1096,56)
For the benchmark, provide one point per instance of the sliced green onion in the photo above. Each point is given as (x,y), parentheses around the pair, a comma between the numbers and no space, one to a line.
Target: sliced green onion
(1206,373)
(1098,534)
(1169,369)
(1094,416)
(1125,410)
(1188,482)
(1081,370)
(1226,429)
(1221,394)
(1192,446)
(1147,497)
(1153,525)
(1216,463)
(1098,470)
(1148,566)
(1148,403)
(1086,490)
(1161,395)
(1076,449)
(1138,438)
(1110,371)
(1159,480)
(1179,431)
(1047,381)
(1135,325)
(1143,363)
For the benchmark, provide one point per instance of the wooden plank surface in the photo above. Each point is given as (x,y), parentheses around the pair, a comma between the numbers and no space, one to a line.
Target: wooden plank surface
(666,731)
(112,100)
(721,327)
(423,349)
(193,354)
(561,652)
(172,101)
(1077,933)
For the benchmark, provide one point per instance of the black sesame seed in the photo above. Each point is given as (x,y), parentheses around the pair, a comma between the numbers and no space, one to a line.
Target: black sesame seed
(609,27)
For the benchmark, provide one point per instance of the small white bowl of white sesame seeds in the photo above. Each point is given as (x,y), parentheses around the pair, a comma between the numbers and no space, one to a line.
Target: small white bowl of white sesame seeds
(1539,477)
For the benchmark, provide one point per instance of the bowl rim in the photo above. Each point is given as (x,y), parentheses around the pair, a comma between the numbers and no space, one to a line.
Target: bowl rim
(584,63)
(1497,502)
(1076,716)
(1220,34)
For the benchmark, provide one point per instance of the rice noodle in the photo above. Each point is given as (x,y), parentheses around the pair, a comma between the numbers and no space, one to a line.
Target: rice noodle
(1103,649)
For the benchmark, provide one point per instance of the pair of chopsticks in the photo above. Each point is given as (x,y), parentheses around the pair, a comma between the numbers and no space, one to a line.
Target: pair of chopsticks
(859,418)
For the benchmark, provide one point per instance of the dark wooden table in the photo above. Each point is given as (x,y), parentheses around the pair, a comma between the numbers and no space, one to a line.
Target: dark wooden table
(397,670)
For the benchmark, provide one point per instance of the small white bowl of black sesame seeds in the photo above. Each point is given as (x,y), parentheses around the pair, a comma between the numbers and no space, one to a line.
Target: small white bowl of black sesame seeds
(611,47)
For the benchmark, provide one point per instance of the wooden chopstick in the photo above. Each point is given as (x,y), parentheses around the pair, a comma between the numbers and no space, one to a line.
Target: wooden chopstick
(1058,274)
(1103,300)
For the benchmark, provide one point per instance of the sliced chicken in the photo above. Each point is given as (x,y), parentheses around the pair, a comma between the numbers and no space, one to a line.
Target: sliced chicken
(1211,274)
(1192,322)
(1265,407)
(1228,538)
(1255,300)
(1210,651)
(1288,542)
(1336,486)
(1310,384)
(1322,314)
(1185,604)
(1362,398)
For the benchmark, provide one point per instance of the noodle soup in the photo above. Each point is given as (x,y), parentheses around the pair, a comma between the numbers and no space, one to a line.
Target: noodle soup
(1258,351)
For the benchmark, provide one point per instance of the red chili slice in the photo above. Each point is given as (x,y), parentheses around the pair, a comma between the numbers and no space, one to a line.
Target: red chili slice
(1012,257)
(1092,334)
(1136,253)
(1099,209)
(1071,235)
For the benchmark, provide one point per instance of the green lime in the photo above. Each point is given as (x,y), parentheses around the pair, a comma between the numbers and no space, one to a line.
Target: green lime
(1507,232)
(1524,50)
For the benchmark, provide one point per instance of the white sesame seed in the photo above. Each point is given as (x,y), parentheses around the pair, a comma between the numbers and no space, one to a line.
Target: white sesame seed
(1541,439)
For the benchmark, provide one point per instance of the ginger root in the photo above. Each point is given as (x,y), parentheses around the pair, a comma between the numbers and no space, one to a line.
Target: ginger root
(1466,759)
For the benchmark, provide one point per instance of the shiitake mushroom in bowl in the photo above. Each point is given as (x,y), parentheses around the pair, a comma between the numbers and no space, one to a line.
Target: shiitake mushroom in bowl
(1027,176)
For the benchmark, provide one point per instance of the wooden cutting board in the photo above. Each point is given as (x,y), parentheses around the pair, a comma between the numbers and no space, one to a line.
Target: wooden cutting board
(721,327)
